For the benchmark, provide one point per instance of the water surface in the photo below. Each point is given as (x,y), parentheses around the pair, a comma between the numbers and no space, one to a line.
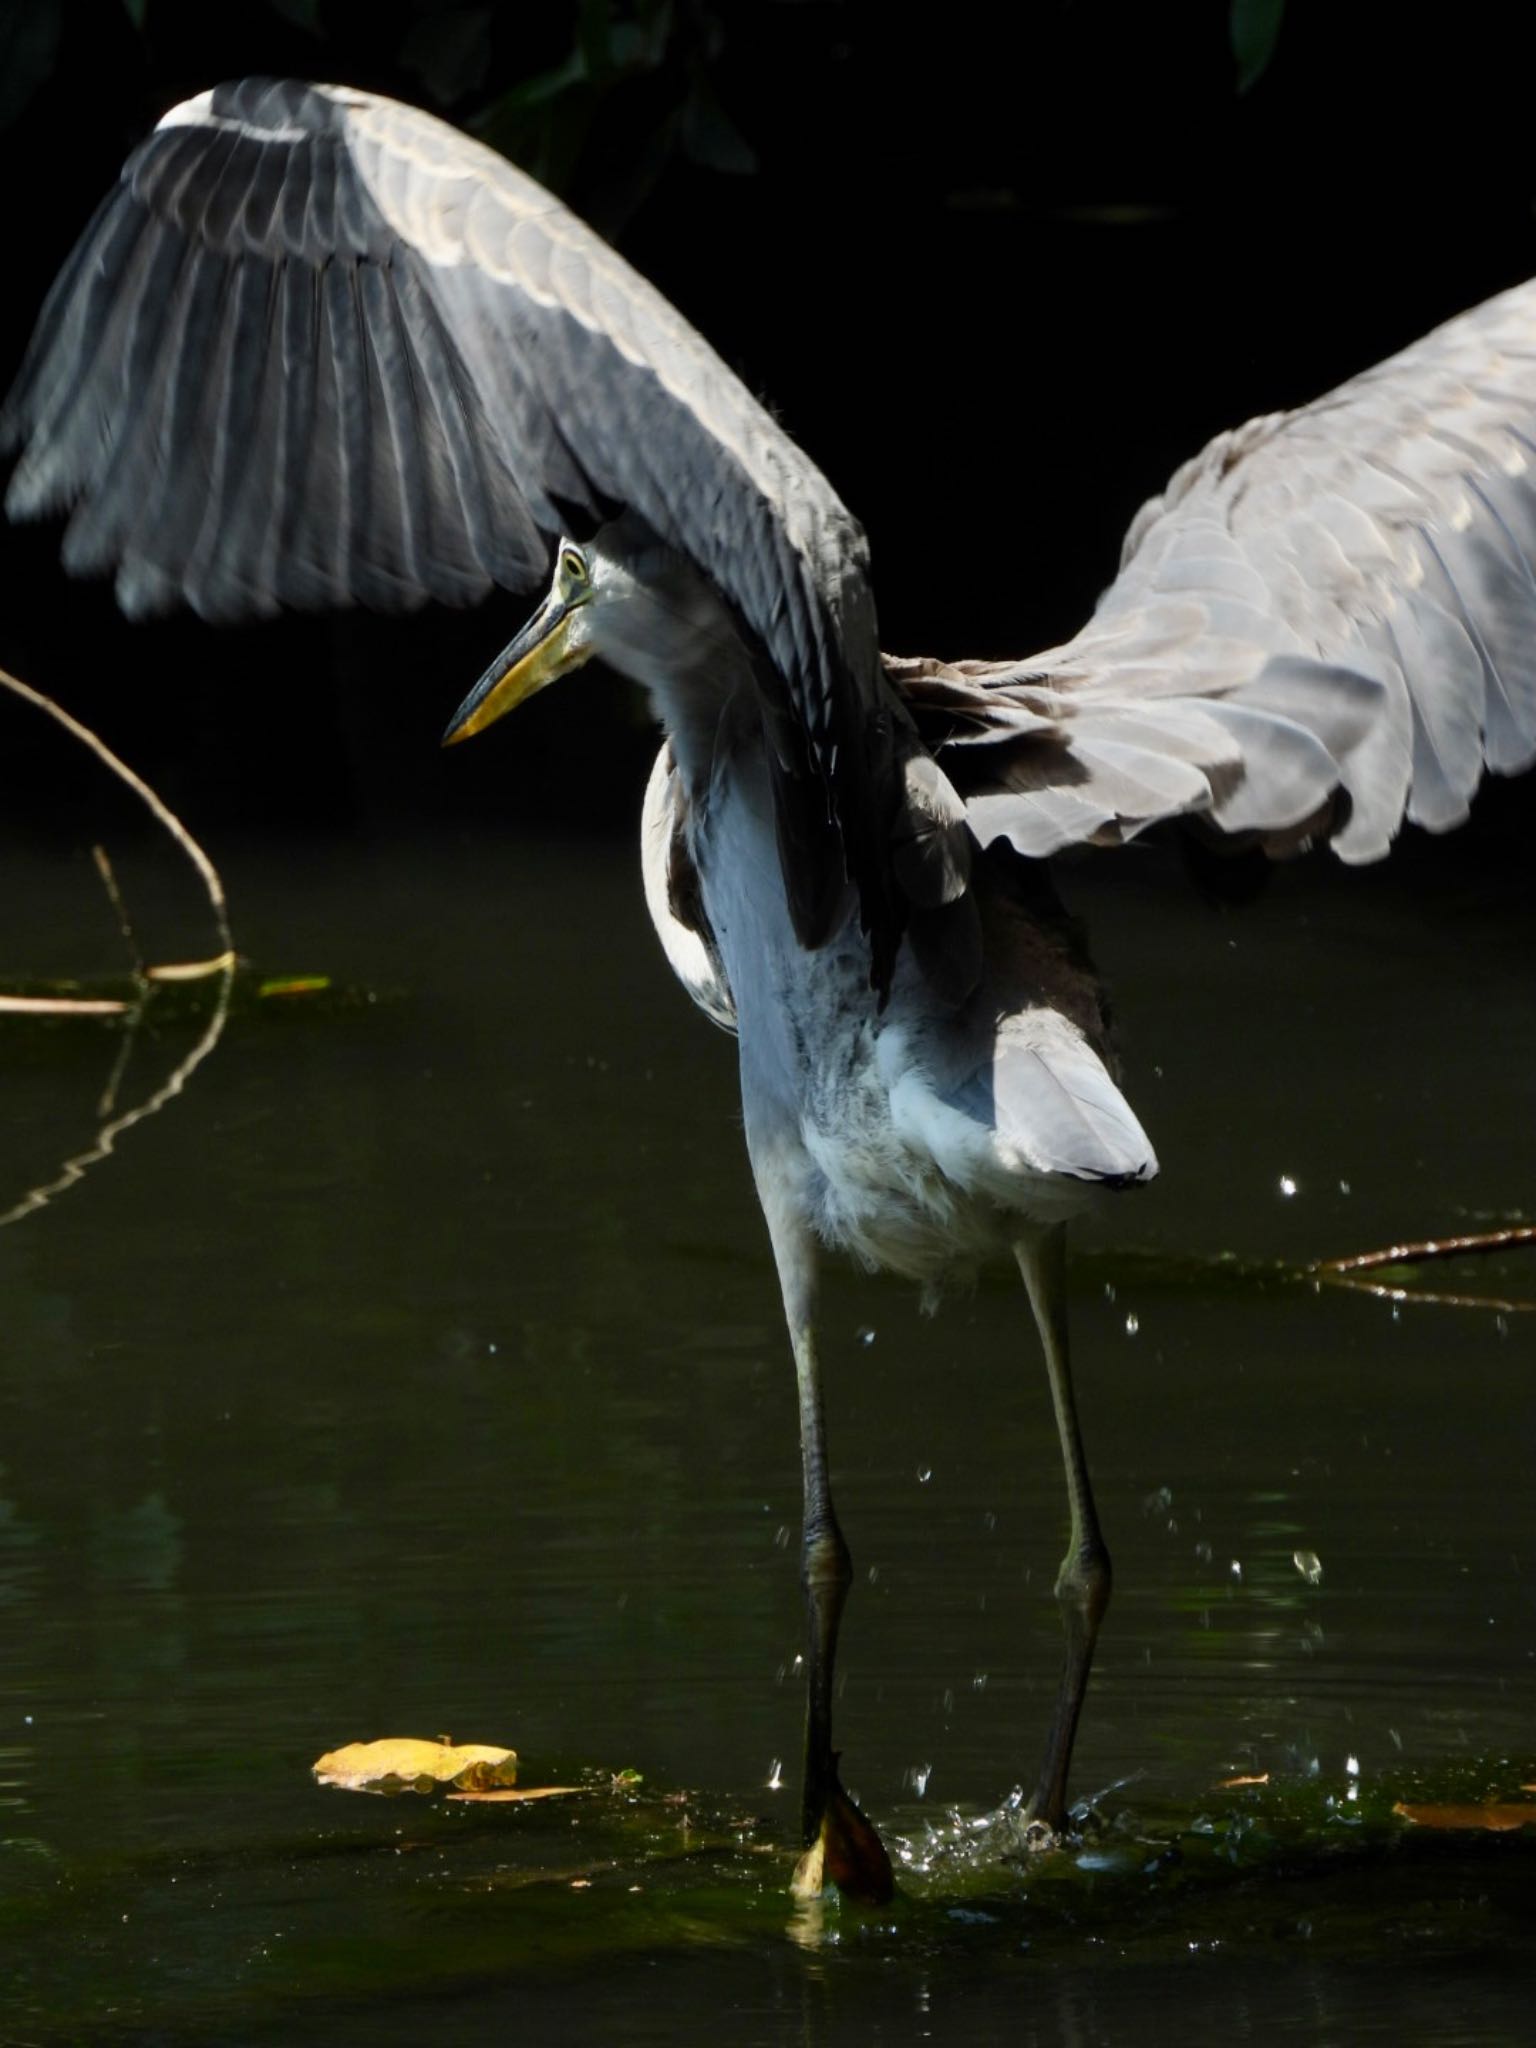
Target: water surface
(418,1370)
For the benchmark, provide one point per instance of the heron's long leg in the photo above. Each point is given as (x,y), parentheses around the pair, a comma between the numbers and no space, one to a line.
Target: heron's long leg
(1083,1583)
(825,1574)
(825,1569)
(840,1846)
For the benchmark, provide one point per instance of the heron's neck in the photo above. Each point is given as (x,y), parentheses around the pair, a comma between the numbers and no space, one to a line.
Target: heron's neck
(693,704)
(668,628)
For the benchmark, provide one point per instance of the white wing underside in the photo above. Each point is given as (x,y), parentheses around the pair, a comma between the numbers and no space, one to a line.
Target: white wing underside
(1335,600)
(664,861)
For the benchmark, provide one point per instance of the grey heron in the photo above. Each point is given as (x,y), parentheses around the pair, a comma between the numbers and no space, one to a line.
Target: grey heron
(319,349)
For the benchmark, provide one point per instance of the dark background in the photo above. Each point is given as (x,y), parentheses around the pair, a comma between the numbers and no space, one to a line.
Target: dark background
(1000,269)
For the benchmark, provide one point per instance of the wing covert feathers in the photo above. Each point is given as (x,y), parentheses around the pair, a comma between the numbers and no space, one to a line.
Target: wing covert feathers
(1326,624)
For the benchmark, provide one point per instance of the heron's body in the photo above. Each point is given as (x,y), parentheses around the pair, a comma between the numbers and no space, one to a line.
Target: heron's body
(318,349)
(919,1135)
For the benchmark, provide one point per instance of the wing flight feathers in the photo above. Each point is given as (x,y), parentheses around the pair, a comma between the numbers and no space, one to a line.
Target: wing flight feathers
(1325,625)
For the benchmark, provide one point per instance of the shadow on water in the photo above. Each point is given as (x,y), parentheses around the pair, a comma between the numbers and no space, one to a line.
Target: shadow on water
(418,1370)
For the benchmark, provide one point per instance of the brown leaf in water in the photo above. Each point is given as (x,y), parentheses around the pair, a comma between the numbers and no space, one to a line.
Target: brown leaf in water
(406,1764)
(1494,1818)
(1231,1784)
(505,1794)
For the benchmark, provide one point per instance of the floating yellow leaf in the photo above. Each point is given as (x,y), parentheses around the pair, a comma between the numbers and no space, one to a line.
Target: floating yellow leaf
(409,1765)
(1232,1784)
(1495,1818)
(505,1795)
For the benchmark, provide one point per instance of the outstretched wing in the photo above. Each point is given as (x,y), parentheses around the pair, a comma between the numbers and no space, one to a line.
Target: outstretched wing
(1333,603)
(318,349)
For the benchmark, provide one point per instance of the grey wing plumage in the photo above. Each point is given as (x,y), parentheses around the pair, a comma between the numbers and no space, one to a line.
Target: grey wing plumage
(1327,623)
(245,389)
(318,348)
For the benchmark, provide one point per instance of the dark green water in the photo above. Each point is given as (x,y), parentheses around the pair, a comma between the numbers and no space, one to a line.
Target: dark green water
(418,1370)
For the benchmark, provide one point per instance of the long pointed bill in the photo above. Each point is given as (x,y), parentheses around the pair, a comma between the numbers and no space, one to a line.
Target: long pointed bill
(542,651)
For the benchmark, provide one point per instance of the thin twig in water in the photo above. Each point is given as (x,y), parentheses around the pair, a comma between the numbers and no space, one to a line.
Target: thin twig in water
(63,1006)
(108,1099)
(1432,1248)
(1347,1272)
(222,965)
(108,876)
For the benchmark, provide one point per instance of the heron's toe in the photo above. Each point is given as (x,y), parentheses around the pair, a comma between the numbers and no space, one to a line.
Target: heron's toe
(847,1852)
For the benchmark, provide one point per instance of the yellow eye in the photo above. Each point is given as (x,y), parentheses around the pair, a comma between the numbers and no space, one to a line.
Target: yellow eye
(573,573)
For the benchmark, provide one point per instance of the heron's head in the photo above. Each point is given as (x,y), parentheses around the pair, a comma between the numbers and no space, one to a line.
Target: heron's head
(637,605)
(557,639)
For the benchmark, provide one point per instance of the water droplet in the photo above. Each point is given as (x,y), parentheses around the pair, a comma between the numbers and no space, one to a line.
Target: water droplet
(918,1778)
(873,1574)
(1109,1290)
(1309,1564)
(1203,1552)
(866,1335)
(776,1775)
(1237,1571)
(924,1474)
(1351,1767)
(979,1682)
(1344,1187)
(1132,1323)
(781,1536)
(1287,1185)
(1158,1503)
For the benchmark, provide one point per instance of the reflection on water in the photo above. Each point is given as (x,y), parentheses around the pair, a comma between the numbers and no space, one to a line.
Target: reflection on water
(420,1371)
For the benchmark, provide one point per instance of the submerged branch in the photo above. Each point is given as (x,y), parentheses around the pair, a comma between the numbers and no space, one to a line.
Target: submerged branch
(222,966)
(1432,1248)
(1349,1272)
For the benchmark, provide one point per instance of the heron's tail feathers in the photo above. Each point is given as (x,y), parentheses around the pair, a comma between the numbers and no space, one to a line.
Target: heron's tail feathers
(1041,1112)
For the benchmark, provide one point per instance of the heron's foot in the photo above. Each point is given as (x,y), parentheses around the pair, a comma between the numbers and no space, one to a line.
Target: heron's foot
(1022,1831)
(847,1852)
(1034,1837)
